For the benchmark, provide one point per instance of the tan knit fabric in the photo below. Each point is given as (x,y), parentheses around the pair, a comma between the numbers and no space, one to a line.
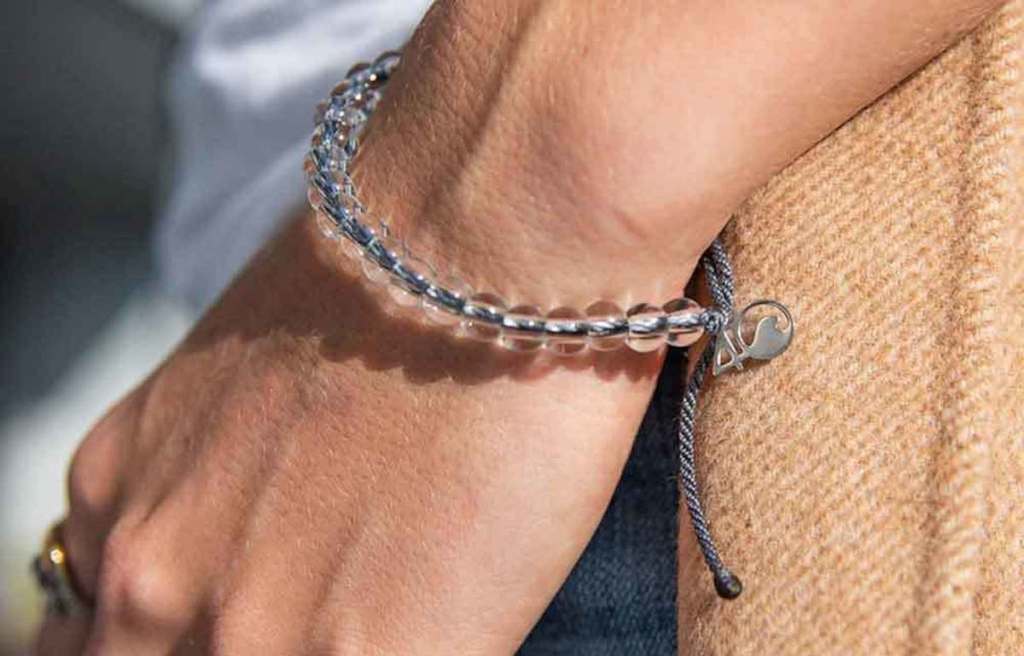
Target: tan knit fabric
(868,486)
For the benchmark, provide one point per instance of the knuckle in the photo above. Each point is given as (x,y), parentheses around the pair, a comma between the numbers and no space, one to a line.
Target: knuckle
(92,477)
(89,492)
(137,584)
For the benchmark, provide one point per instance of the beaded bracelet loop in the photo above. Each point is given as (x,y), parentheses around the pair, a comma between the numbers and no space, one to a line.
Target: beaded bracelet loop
(448,300)
(603,326)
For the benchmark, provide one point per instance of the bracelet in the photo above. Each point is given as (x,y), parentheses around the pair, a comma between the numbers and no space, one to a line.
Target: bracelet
(448,300)
(603,326)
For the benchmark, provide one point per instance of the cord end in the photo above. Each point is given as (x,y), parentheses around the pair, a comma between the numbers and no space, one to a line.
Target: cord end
(727,584)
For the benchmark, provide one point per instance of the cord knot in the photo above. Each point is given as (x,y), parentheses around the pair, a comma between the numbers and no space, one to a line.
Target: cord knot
(713,320)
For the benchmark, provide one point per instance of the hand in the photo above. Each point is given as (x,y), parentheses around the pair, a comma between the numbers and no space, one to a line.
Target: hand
(306,474)
(309,474)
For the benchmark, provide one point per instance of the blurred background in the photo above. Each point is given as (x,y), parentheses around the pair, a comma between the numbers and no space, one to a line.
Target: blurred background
(83,142)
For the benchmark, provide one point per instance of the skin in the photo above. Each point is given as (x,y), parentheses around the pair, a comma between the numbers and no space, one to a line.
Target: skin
(314,472)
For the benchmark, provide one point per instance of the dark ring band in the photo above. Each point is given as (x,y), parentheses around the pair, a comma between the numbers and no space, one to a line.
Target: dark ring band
(53,574)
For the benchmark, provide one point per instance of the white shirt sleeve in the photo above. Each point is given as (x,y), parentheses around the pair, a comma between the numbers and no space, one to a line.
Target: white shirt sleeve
(242,95)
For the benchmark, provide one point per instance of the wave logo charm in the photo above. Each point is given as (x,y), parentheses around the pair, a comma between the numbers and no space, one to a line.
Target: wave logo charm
(768,338)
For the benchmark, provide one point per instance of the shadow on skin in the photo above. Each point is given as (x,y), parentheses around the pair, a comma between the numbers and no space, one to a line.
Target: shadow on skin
(303,287)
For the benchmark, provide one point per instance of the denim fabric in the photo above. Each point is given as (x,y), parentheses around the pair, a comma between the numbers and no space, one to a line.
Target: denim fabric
(620,597)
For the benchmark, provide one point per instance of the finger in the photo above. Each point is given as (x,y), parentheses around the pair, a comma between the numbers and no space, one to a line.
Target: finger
(145,597)
(83,540)
(94,482)
(69,614)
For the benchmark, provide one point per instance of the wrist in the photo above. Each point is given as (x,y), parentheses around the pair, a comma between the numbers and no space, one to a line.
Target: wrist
(487,178)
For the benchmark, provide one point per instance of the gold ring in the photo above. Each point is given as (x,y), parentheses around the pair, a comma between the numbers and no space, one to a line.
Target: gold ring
(53,574)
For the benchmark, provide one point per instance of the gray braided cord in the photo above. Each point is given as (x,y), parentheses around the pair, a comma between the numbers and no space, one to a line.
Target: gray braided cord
(718,272)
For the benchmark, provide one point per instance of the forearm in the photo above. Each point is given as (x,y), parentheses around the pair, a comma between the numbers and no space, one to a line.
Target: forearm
(552,138)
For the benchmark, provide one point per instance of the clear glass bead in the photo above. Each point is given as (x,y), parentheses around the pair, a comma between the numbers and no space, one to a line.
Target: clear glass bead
(344,117)
(437,312)
(388,61)
(341,87)
(347,191)
(372,269)
(327,225)
(350,204)
(371,98)
(523,340)
(342,148)
(355,96)
(317,154)
(316,139)
(420,268)
(358,69)
(648,330)
(568,318)
(339,152)
(345,124)
(318,113)
(316,201)
(481,329)
(681,316)
(350,248)
(605,311)
(353,92)
(354,233)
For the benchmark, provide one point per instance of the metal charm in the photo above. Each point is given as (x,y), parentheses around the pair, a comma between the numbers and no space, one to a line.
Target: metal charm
(769,339)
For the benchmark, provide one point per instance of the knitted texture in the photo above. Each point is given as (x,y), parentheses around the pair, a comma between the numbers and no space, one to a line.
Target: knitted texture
(868,486)
(1000,605)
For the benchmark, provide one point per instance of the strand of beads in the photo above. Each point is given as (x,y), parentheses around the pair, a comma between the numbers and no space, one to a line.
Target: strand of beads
(446,299)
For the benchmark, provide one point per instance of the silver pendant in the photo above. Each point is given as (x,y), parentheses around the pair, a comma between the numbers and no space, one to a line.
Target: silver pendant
(768,340)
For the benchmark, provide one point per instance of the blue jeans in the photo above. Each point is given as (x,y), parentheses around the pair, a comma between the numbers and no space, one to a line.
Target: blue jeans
(620,597)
